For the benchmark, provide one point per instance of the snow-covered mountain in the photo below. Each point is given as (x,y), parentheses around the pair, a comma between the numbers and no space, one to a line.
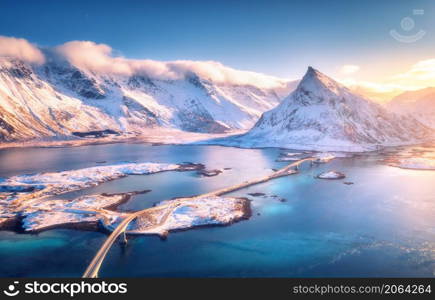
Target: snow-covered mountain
(57,98)
(420,104)
(323,114)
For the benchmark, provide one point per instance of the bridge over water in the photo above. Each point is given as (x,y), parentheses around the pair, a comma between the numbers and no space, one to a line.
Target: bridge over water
(97,261)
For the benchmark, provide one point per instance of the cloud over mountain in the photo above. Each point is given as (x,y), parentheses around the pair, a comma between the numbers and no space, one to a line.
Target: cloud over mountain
(20,48)
(100,58)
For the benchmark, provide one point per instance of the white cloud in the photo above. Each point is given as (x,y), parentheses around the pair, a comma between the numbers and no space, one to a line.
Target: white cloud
(349,69)
(21,49)
(98,58)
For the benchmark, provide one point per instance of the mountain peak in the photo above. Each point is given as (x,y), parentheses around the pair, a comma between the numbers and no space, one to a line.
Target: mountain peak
(323,114)
(317,76)
(317,83)
(311,70)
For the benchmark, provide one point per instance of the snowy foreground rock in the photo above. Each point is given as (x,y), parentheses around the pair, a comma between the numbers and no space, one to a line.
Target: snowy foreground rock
(419,163)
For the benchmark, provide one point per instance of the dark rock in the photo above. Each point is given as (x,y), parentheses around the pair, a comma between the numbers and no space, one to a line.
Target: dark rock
(257,194)
(209,173)
(189,166)
(95,133)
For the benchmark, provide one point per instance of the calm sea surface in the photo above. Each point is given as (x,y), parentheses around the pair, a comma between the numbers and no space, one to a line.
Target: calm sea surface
(382,225)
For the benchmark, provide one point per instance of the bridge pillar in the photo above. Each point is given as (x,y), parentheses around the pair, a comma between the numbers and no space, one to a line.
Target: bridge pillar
(123,238)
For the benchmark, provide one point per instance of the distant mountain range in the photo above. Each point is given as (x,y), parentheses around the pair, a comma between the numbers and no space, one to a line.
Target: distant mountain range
(56,99)
(419,104)
(323,114)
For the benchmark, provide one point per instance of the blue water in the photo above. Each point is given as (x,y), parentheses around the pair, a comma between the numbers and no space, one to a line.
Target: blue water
(382,225)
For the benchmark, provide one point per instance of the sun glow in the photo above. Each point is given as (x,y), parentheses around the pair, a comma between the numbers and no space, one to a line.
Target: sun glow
(418,76)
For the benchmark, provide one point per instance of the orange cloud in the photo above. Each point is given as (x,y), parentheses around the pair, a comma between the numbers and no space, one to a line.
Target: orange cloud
(419,76)
(422,73)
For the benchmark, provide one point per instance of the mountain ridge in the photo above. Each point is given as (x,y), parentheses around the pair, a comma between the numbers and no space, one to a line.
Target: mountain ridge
(56,98)
(420,104)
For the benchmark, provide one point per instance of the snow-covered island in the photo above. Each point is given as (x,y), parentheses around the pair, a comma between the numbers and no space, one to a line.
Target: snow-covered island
(84,212)
(186,213)
(331,175)
(29,203)
(25,187)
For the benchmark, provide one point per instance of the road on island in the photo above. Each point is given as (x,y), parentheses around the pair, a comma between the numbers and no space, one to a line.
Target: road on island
(97,261)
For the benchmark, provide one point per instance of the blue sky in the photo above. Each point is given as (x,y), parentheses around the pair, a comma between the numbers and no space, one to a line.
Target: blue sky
(279,38)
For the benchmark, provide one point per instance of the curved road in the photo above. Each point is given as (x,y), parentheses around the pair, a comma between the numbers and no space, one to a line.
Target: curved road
(94,266)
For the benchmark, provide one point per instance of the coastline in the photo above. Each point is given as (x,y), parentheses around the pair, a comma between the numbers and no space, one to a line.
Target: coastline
(148,136)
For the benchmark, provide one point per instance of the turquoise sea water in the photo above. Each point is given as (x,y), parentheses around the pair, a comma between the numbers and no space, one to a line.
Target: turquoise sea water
(382,225)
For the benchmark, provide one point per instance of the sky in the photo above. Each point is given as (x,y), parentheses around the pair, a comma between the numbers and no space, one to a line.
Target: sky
(349,40)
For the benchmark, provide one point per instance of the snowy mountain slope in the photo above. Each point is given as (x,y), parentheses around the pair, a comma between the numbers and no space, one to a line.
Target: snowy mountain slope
(419,104)
(322,114)
(31,107)
(57,98)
